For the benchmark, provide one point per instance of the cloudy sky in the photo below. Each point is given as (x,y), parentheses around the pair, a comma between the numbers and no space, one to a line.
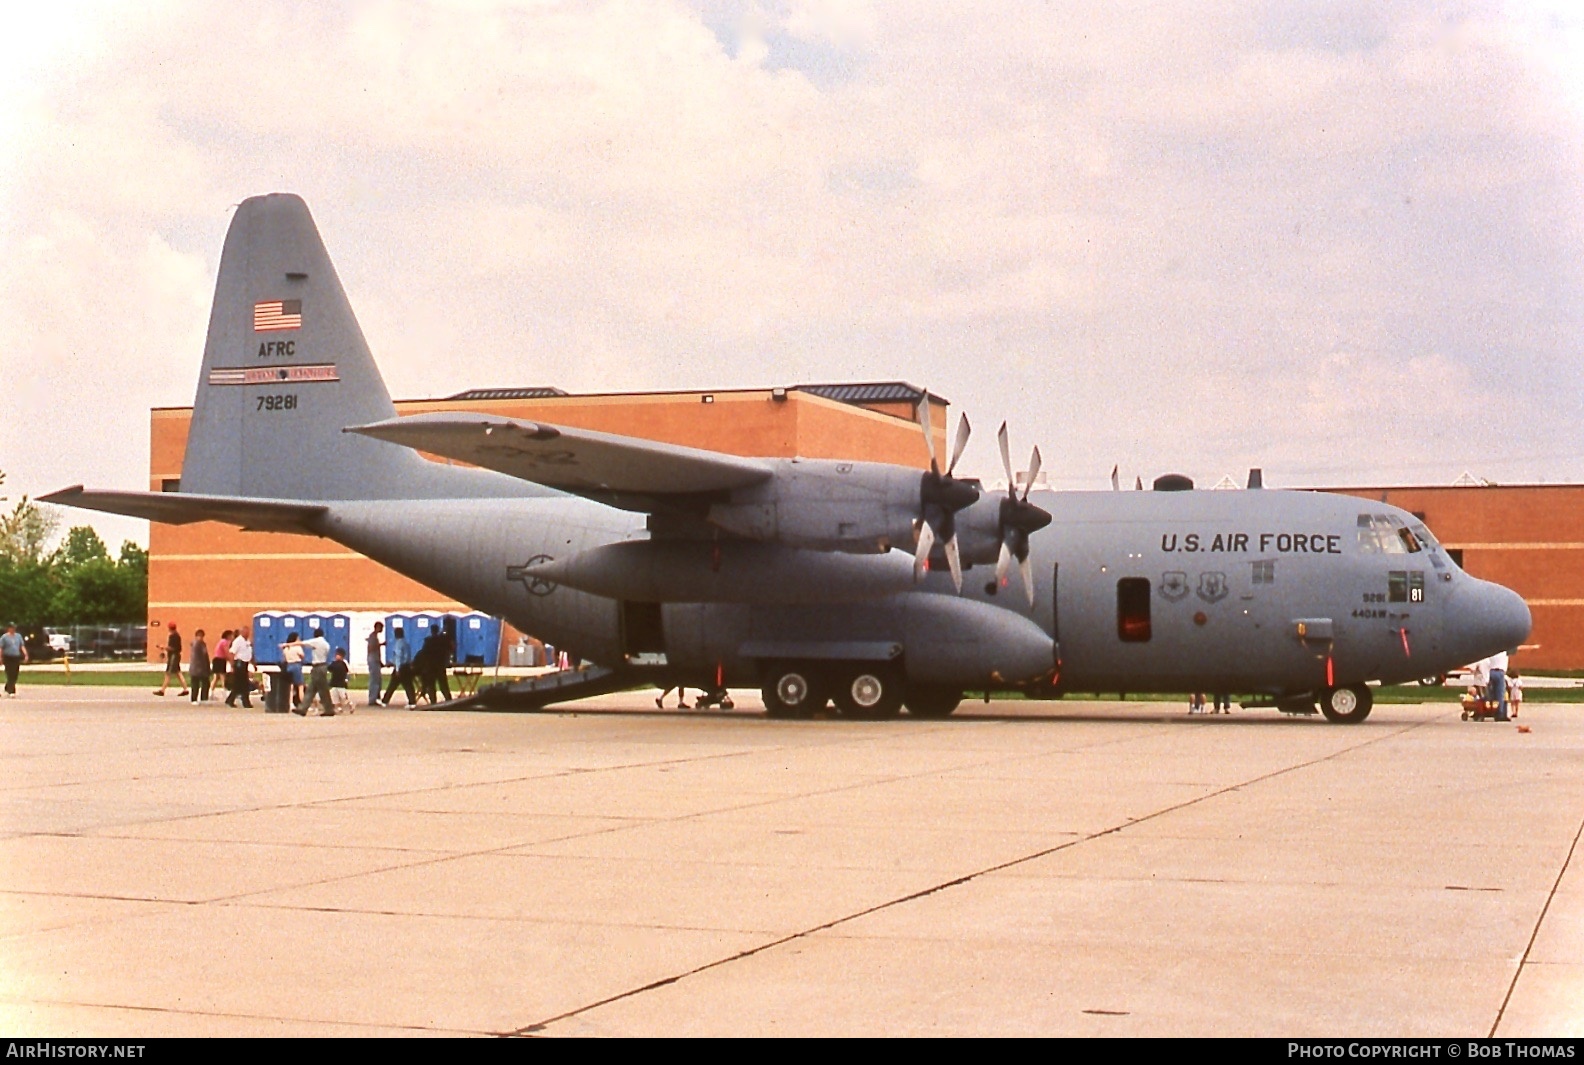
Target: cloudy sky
(1342,241)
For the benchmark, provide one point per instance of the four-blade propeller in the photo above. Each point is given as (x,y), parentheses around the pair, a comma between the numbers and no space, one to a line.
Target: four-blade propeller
(941,496)
(1019,519)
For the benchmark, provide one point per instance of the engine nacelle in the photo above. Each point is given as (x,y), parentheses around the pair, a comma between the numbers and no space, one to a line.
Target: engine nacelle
(827,505)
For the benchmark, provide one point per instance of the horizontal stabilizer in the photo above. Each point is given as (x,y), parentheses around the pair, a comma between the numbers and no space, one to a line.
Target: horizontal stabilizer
(580,461)
(180,508)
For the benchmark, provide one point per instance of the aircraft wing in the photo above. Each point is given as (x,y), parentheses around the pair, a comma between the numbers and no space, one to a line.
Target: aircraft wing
(177,508)
(601,466)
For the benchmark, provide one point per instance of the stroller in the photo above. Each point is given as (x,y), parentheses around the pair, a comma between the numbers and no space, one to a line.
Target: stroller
(1478,708)
(713,697)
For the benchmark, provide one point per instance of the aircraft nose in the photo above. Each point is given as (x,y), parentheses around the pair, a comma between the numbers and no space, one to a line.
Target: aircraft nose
(1501,617)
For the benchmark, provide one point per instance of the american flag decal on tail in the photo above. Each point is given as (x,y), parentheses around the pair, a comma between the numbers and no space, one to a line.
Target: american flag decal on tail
(270,316)
(272,375)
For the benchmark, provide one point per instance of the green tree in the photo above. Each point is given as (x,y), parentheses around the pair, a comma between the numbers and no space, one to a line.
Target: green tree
(25,530)
(82,545)
(27,586)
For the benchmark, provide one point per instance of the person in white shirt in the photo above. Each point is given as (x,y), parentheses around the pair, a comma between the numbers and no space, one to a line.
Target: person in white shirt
(1497,687)
(318,655)
(241,672)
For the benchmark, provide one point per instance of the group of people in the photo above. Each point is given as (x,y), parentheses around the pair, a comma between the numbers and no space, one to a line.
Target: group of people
(1490,680)
(420,675)
(327,678)
(1196,704)
(228,668)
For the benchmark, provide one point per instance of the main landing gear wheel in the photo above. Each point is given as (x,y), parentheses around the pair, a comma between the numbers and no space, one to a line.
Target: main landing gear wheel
(931,701)
(1346,706)
(793,689)
(868,692)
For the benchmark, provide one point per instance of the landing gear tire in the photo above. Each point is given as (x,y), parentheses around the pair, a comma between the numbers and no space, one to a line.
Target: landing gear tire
(868,692)
(1346,706)
(930,701)
(793,690)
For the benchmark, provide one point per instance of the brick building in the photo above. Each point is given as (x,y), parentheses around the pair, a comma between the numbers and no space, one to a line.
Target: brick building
(211,576)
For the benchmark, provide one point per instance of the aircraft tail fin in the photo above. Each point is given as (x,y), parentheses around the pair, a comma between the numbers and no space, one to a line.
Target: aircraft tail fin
(285,369)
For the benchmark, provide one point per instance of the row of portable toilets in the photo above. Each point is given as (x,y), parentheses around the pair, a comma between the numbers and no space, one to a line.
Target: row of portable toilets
(477,636)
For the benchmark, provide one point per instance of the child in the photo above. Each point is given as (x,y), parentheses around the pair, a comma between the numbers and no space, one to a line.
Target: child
(340,672)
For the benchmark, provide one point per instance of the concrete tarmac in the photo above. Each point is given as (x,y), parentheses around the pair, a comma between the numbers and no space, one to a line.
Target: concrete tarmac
(1075,868)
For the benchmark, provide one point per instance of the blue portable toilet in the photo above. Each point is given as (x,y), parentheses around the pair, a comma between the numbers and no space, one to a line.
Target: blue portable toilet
(288,624)
(267,636)
(337,629)
(478,639)
(419,626)
(392,623)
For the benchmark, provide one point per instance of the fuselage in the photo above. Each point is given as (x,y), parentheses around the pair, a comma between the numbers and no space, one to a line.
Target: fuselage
(1254,592)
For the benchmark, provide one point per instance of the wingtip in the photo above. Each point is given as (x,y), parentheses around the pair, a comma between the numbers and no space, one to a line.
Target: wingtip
(62,494)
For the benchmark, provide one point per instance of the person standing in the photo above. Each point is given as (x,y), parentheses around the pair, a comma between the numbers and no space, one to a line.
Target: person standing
(431,663)
(292,654)
(13,652)
(401,667)
(222,663)
(340,672)
(375,662)
(173,654)
(241,672)
(1496,687)
(317,651)
(200,667)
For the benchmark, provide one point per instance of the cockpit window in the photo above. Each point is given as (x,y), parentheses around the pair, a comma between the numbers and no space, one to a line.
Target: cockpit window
(1410,541)
(1382,534)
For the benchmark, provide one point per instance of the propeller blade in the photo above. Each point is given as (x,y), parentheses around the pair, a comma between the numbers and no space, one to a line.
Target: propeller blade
(954,560)
(962,441)
(1115,487)
(1003,563)
(929,432)
(1033,473)
(1026,567)
(1006,458)
(926,544)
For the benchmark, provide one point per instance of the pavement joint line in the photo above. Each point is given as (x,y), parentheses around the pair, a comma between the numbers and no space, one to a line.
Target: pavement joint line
(503,851)
(438,859)
(914,896)
(242,1016)
(1535,934)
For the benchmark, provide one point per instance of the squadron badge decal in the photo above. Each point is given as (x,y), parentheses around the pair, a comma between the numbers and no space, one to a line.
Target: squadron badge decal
(1212,586)
(533,585)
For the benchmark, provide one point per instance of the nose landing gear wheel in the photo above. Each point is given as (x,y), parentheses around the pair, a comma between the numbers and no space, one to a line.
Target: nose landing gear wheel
(793,690)
(869,693)
(1346,706)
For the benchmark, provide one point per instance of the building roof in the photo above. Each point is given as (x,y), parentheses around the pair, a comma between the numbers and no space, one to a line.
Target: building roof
(541,392)
(854,392)
(869,392)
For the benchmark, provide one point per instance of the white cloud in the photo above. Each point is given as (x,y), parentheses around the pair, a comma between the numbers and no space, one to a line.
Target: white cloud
(1155,234)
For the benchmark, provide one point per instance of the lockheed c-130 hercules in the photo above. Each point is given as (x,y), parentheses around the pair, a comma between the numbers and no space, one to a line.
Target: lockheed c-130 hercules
(877,586)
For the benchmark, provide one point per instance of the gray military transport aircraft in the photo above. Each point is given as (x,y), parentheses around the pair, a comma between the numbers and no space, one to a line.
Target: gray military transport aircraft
(877,586)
